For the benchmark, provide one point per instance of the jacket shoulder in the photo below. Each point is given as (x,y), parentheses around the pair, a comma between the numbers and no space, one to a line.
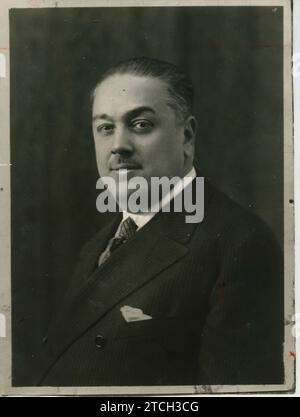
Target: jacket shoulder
(231,223)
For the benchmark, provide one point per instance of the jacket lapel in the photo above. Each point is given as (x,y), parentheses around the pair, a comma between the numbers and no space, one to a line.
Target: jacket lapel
(158,245)
(89,257)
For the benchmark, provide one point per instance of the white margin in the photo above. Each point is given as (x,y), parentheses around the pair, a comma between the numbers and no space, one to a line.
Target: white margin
(296,50)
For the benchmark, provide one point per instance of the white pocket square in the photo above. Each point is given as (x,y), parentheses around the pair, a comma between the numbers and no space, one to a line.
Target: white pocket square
(133,314)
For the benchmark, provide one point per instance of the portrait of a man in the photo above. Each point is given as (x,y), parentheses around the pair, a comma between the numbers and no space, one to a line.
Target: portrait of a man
(190,292)
(210,293)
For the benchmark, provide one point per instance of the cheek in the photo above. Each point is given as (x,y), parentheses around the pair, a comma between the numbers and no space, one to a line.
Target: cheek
(102,150)
(162,159)
(168,146)
(102,157)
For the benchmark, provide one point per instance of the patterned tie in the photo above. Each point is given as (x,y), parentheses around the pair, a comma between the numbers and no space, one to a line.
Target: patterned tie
(125,232)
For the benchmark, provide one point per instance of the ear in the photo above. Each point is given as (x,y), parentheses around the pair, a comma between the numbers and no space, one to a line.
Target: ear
(190,130)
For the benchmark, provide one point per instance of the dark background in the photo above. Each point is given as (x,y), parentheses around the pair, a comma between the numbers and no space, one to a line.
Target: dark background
(234,57)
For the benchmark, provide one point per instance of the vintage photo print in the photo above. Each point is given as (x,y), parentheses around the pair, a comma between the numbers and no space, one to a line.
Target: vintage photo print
(146,192)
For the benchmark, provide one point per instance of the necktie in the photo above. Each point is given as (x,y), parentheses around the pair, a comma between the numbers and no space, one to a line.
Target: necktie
(125,232)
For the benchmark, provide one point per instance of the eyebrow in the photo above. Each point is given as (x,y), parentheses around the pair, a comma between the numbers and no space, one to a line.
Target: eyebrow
(129,115)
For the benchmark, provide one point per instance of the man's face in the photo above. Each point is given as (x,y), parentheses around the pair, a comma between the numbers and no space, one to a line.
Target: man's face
(135,129)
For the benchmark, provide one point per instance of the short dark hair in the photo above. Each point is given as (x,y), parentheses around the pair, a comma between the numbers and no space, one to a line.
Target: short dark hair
(179,85)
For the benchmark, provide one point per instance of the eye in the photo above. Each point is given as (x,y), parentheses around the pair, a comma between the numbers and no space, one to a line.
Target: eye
(105,128)
(142,125)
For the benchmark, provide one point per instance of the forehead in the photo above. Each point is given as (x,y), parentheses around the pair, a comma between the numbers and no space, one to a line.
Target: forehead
(122,92)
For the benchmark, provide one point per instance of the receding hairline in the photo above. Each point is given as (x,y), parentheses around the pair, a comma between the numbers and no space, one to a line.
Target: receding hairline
(130,74)
(170,100)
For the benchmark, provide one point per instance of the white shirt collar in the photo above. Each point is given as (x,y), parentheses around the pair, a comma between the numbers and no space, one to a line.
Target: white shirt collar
(142,218)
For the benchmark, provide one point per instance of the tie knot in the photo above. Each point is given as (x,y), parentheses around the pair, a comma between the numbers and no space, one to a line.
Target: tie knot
(127,229)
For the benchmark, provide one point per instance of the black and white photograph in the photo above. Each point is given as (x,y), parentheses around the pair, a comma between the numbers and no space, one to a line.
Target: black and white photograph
(149,198)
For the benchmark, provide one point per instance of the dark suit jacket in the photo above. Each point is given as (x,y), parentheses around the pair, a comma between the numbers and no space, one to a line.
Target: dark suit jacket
(214,291)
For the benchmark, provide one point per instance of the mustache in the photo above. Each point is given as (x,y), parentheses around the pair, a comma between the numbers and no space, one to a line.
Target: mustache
(120,162)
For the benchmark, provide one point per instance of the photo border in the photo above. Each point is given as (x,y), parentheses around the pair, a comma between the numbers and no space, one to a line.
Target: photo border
(5,209)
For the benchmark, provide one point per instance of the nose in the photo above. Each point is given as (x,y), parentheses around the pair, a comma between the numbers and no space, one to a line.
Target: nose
(122,143)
